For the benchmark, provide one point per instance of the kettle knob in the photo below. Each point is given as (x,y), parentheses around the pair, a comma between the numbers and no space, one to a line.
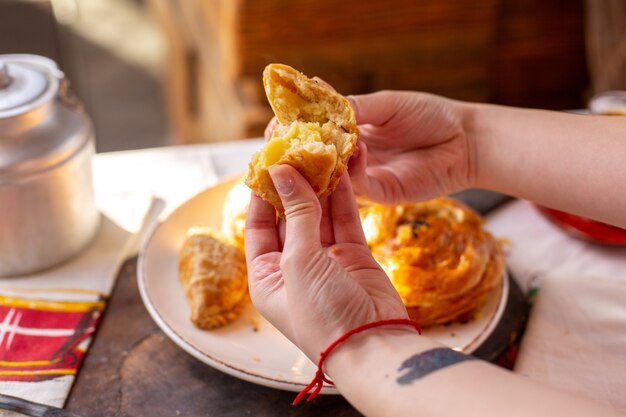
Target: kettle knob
(5,78)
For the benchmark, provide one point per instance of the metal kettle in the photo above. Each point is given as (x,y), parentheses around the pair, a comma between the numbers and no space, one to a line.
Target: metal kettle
(47,207)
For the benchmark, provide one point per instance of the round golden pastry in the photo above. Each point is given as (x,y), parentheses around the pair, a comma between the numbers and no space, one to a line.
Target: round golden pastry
(438,256)
(316,133)
(234,213)
(212,270)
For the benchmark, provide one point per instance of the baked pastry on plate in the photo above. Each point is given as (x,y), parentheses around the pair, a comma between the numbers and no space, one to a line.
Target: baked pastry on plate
(316,133)
(438,256)
(234,213)
(212,270)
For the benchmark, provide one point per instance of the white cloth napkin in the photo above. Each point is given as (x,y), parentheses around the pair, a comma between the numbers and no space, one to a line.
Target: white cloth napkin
(171,174)
(576,337)
(576,334)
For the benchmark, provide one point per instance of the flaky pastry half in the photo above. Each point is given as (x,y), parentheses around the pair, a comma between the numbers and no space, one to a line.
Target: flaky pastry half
(316,133)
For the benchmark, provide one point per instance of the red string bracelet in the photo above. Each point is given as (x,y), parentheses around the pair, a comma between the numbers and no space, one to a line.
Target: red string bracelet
(320,378)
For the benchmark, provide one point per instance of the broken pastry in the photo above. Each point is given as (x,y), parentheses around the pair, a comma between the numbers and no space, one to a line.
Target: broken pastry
(212,270)
(316,133)
(437,254)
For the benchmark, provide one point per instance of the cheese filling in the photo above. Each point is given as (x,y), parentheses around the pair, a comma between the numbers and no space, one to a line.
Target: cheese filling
(309,135)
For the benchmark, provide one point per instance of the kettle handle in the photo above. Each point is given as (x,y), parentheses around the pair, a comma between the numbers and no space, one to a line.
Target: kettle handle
(67,96)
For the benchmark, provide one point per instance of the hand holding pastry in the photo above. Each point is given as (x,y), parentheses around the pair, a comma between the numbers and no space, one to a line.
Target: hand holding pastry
(413,147)
(321,281)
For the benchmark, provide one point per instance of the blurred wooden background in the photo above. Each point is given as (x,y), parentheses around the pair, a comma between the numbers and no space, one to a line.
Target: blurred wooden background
(155,72)
(110,50)
(516,52)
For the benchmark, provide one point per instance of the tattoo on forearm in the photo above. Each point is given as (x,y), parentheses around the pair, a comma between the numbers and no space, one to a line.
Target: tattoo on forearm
(427,362)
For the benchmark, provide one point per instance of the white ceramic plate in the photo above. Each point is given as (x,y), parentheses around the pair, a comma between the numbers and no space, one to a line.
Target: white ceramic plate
(251,348)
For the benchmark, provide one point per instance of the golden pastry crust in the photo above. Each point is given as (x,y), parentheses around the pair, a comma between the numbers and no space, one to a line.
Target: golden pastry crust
(464,305)
(212,271)
(316,133)
(234,213)
(438,256)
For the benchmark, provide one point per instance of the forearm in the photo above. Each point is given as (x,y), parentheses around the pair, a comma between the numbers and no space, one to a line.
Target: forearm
(380,373)
(565,161)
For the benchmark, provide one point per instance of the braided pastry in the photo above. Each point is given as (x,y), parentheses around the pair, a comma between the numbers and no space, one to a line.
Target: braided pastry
(438,256)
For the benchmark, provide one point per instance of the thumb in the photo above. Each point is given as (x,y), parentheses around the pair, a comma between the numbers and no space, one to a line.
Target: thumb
(303,212)
(375,108)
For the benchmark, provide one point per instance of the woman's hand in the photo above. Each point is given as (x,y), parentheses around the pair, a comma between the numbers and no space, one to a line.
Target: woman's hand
(413,147)
(320,281)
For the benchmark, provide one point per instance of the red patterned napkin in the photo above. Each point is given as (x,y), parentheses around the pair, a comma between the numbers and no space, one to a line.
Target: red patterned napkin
(47,319)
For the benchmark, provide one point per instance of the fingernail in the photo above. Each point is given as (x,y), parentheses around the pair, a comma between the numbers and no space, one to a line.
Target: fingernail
(282,181)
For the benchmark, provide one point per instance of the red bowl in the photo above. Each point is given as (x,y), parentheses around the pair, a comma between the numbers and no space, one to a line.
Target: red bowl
(586,228)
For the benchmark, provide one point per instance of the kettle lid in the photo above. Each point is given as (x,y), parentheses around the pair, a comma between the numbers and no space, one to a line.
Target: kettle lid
(41,124)
(26,81)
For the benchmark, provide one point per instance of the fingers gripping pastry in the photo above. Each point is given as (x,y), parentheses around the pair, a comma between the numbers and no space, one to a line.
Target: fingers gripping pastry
(213,274)
(316,133)
(438,256)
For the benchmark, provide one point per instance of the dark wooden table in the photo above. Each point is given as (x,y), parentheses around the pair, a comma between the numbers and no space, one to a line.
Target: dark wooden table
(133,369)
